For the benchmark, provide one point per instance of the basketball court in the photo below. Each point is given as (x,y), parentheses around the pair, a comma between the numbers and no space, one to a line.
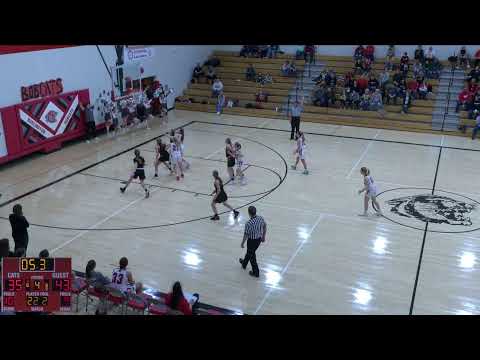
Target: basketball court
(320,257)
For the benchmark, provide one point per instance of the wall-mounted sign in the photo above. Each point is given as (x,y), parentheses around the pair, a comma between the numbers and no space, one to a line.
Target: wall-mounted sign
(137,53)
(43,89)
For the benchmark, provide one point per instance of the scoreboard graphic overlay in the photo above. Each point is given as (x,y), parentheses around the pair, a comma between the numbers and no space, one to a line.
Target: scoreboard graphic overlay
(36,284)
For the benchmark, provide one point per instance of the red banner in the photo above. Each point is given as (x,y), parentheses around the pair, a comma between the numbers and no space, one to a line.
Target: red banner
(11,49)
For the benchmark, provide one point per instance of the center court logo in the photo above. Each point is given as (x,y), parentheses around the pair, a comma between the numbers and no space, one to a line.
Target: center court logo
(444,211)
(434,209)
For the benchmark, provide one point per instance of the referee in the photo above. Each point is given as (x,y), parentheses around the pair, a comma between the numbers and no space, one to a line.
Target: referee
(255,231)
(295,121)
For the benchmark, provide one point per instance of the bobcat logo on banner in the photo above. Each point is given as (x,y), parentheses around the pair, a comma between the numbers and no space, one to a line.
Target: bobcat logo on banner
(3,140)
(51,117)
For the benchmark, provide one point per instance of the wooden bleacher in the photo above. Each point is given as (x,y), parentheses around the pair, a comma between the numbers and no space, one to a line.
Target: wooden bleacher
(232,73)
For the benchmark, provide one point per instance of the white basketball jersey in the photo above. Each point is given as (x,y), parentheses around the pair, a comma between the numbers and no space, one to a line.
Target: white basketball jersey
(120,280)
(372,187)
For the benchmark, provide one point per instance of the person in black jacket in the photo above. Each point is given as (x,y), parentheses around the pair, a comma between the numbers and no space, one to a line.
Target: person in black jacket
(19,228)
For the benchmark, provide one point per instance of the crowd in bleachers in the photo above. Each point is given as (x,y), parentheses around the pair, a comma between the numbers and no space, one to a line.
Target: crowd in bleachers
(469,98)
(364,89)
(260,51)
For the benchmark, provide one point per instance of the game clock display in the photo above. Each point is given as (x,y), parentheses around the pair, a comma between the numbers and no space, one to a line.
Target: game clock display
(36,284)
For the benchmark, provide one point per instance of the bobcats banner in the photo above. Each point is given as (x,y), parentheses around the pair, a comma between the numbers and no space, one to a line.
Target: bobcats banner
(135,53)
(3,140)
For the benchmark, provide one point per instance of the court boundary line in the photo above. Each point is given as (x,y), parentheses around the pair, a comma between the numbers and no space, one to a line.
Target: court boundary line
(420,259)
(363,154)
(343,136)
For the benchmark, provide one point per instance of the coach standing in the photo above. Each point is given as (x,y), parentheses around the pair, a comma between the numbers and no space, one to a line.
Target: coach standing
(255,231)
(295,121)
(19,228)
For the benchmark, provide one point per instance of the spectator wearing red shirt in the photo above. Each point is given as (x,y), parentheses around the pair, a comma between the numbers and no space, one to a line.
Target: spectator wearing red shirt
(464,96)
(413,87)
(176,301)
(473,87)
(362,84)
(369,52)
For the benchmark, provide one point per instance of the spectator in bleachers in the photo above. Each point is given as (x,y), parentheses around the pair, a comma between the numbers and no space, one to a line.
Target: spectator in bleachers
(217,87)
(19,228)
(419,54)
(331,96)
(197,73)
(369,52)
(418,69)
(348,80)
(422,90)
(342,97)
(320,95)
(365,100)
(391,93)
(288,69)
(362,84)
(376,102)
(464,58)
(407,101)
(473,86)
(412,85)
(389,58)
(474,74)
(405,59)
(366,65)
(331,78)
(477,58)
(383,78)
(250,73)
(262,51)
(309,53)
(220,103)
(211,75)
(358,66)
(261,96)
(359,52)
(430,56)
(244,51)
(477,127)
(463,98)
(273,51)
(373,83)
(397,77)
(404,68)
(474,106)
(176,300)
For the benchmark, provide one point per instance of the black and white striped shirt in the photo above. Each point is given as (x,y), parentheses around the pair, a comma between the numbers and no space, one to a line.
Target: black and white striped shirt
(254,227)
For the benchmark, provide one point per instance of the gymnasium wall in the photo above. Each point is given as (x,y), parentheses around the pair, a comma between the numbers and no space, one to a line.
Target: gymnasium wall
(442,51)
(81,67)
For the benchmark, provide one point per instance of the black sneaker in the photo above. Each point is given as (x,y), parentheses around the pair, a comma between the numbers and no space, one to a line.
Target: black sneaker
(215,217)
(235,214)
(122,189)
(156,175)
(240,260)
(147,194)
(251,273)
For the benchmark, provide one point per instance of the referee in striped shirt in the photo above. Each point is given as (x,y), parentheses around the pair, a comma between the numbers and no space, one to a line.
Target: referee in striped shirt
(255,231)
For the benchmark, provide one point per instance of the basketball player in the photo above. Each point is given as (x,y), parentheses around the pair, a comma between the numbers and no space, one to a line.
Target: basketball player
(176,156)
(370,188)
(139,173)
(220,197)
(164,106)
(181,134)
(161,156)
(230,154)
(108,116)
(300,152)
(239,160)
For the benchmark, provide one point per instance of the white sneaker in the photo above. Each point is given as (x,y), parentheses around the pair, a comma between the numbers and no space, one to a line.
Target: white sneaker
(364,214)
(218,113)
(88,141)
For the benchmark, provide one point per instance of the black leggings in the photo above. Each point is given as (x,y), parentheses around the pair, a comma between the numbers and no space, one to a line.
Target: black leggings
(295,124)
(91,130)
